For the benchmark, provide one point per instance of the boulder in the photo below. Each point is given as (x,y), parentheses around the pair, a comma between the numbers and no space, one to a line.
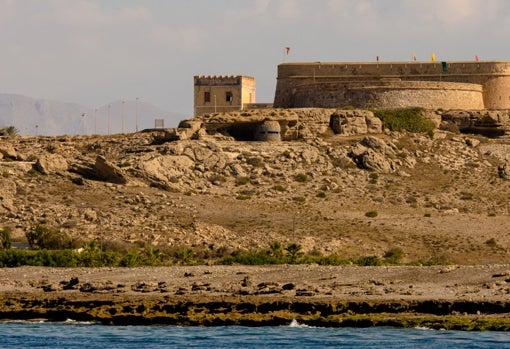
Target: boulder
(49,163)
(372,154)
(8,151)
(354,122)
(105,170)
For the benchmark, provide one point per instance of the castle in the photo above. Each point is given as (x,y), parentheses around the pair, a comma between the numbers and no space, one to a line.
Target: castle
(431,85)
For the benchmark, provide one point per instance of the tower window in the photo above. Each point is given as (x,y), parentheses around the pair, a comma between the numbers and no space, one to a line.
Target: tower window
(207,97)
(229,97)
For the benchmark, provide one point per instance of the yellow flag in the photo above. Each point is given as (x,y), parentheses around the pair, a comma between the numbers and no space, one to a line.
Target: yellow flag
(433,57)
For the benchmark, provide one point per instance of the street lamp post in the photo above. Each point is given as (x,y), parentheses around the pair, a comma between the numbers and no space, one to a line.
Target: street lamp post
(109,114)
(136,115)
(122,116)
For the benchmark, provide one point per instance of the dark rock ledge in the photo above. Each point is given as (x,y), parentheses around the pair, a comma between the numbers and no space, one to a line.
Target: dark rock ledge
(115,309)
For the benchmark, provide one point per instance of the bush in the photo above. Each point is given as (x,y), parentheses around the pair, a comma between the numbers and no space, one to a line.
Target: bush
(279,188)
(242,180)
(250,258)
(321,194)
(294,252)
(394,255)
(368,261)
(255,162)
(301,177)
(408,119)
(371,214)
(45,238)
(5,238)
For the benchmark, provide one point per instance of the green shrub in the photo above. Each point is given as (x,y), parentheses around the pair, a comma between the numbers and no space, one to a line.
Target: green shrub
(250,258)
(408,119)
(5,238)
(294,252)
(368,261)
(217,178)
(301,177)
(466,196)
(371,214)
(279,188)
(394,255)
(32,172)
(321,194)
(9,131)
(242,180)
(299,199)
(332,259)
(255,162)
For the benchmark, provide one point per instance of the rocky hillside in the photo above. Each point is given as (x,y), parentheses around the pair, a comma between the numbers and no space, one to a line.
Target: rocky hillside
(339,183)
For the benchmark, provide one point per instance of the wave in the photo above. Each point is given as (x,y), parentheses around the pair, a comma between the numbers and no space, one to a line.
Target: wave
(295,323)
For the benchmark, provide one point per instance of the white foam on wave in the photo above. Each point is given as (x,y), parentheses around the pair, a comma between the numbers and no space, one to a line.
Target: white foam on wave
(74,322)
(295,323)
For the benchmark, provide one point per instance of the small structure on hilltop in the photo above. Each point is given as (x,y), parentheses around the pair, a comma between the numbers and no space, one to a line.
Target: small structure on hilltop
(222,94)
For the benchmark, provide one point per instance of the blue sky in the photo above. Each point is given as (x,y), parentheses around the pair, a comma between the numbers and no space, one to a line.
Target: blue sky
(96,52)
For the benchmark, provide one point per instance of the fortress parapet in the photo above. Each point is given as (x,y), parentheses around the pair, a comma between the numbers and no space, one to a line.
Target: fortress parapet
(448,85)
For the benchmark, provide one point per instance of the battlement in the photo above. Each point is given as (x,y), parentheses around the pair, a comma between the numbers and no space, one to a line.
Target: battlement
(221,80)
(303,84)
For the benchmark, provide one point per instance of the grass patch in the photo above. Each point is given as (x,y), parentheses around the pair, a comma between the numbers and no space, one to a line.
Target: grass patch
(301,177)
(242,181)
(408,119)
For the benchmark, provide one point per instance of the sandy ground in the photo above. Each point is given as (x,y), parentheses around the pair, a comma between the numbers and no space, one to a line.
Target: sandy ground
(471,283)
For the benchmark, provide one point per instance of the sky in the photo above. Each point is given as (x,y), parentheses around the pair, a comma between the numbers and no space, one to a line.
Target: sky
(93,52)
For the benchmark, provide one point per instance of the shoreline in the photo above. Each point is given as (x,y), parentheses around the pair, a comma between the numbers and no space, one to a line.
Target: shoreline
(448,297)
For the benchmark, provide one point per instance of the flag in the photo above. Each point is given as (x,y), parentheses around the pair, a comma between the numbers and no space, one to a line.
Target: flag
(287,50)
(433,57)
(414,57)
(476,58)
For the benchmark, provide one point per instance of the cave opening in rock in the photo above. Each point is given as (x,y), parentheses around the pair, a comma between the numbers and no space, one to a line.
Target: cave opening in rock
(242,132)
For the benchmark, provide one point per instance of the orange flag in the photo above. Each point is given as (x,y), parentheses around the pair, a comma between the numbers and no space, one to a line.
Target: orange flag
(287,50)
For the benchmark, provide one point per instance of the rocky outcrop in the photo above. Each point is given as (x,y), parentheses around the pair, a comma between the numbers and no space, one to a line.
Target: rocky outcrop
(51,163)
(490,123)
(355,122)
(374,155)
(7,151)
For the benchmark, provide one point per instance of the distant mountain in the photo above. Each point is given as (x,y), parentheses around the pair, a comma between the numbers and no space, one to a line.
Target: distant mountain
(44,117)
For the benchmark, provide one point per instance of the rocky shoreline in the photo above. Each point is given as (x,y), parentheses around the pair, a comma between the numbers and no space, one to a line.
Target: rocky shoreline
(453,297)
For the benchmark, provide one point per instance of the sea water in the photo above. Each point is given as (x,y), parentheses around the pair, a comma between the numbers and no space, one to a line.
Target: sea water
(72,334)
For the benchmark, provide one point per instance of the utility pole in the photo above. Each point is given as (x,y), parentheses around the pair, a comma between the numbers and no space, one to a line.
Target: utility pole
(109,114)
(95,121)
(122,116)
(136,115)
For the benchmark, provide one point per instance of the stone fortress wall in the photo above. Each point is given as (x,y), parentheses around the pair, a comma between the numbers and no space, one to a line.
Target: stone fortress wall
(447,85)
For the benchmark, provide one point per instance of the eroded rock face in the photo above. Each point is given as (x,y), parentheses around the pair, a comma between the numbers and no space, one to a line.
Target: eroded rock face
(491,123)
